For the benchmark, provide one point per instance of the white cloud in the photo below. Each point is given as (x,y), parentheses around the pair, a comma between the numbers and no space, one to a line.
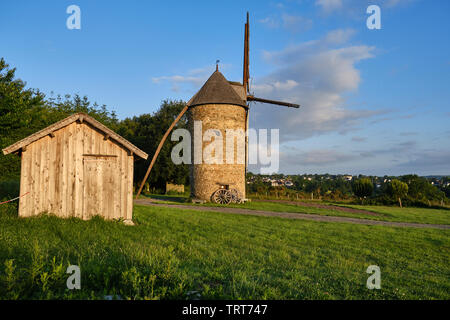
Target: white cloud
(177,80)
(393,3)
(292,23)
(355,9)
(329,5)
(427,162)
(194,79)
(339,36)
(314,157)
(268,88)
(359,139)
(317,75)
(295,23)
(270,22)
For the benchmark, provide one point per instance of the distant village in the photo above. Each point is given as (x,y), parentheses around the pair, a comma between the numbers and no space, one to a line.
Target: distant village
(279,180)
(323,184)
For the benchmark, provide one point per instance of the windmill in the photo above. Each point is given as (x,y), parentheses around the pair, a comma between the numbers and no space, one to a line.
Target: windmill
(220,105)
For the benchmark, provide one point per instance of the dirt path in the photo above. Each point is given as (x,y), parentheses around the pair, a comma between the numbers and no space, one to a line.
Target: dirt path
(322,206)
(303,216)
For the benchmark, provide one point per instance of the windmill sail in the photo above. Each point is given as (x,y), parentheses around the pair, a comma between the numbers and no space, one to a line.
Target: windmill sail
(246,74)
(280,103)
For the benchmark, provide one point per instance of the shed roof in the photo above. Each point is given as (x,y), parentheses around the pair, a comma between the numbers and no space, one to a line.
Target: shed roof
(217,90)
(65,122)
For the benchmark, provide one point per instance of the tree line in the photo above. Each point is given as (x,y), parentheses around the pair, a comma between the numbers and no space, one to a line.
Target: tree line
(23,111)
(410,190)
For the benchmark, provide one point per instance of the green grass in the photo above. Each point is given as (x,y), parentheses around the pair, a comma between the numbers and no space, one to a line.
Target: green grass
(171,252)
(396,214)
(409,214)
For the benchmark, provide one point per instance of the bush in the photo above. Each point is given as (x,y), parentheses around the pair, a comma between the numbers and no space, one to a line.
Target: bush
(398,190)
(9,190)
(10,209)
(363,187)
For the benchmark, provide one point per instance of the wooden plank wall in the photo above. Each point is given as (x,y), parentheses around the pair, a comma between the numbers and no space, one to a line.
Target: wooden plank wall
(52,170)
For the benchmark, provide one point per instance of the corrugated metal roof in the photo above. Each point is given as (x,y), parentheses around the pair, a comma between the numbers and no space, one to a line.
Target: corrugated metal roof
(217,90)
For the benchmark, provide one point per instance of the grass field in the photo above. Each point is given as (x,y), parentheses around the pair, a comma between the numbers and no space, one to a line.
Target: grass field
(170,253)
(406,214)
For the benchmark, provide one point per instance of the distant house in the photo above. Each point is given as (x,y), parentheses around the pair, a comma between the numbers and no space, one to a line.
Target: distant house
(76,167)
(274,183)
(288,183)
(348,178)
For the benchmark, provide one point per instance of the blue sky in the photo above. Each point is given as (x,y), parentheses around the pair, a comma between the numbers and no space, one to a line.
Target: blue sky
(373,101)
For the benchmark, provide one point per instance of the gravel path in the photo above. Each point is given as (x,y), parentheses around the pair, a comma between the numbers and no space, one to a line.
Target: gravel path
(289,215)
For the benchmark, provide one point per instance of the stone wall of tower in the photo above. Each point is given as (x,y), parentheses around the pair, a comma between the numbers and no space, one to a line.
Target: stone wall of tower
(207,178)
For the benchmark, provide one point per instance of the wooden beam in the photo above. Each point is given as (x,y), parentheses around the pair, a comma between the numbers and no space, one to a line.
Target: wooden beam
(246,72)
(106,137)
(281,103)
(51,134)
(161,143)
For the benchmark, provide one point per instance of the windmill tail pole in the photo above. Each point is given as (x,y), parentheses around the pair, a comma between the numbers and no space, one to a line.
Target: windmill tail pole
(161,143)
(280,103)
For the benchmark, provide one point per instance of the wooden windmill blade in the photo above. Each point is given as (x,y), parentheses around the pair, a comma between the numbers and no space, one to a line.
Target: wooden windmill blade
(280,103)
(246,73)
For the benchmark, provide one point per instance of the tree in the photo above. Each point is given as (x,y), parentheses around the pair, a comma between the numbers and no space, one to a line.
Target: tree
(362,188)
(17,114)
(398,190)
(146,131)
(26,111)
(446,186)
(421,189)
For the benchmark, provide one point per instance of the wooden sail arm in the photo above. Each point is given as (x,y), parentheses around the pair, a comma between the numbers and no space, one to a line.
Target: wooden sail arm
(280,103)
(161,143)
(246,73)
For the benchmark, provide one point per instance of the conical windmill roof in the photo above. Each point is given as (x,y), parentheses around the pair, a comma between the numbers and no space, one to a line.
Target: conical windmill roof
(217,90)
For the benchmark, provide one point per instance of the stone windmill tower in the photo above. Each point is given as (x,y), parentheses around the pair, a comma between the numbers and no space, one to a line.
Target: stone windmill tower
(219,106)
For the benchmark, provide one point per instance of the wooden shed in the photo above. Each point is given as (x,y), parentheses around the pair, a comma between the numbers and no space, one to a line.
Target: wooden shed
(76,167)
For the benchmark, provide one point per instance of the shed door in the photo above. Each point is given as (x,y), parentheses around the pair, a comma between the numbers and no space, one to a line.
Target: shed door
(100,186)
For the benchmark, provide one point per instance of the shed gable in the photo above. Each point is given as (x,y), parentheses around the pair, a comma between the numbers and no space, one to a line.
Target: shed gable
(81,118)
